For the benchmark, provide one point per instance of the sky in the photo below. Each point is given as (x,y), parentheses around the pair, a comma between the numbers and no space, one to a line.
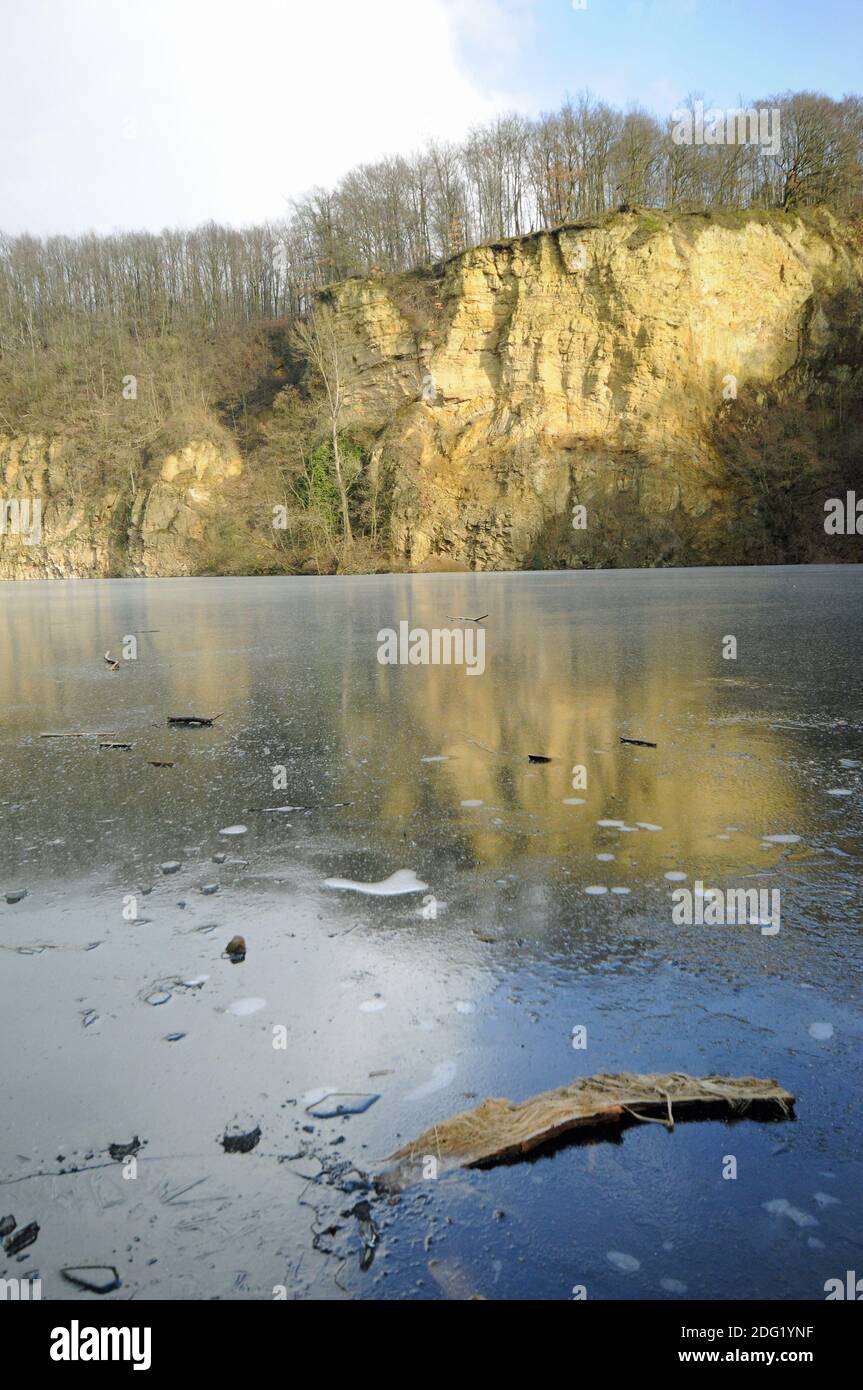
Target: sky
(174,112)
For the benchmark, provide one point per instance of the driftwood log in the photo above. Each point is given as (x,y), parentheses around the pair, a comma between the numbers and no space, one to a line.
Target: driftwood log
(500,1130)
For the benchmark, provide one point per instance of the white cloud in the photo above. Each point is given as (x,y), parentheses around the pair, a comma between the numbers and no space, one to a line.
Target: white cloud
(174,111)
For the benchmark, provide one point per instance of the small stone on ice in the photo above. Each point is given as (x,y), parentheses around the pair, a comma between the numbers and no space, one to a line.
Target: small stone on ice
(234,830)
(171,866)
(243,1142)
(23,1237)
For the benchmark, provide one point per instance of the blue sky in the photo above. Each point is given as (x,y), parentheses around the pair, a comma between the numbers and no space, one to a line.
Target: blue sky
(654,52)
(118,114)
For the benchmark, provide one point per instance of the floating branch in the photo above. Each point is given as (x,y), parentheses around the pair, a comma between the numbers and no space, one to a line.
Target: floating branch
(638,742)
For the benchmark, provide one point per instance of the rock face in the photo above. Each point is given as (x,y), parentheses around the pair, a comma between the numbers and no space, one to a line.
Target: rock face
(594,366)
(644,391)
(169,524)
(55,526)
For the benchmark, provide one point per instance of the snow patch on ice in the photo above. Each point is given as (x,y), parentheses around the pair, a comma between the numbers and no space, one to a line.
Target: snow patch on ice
(402,881)
(627,1264)
(241,1007)
(442,1076)
(821,1031)
(780,1206)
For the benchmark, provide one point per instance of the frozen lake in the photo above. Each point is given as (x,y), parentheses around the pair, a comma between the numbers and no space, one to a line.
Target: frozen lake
(463,976)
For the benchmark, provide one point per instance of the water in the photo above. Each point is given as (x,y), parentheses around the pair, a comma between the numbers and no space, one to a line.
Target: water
(463,977)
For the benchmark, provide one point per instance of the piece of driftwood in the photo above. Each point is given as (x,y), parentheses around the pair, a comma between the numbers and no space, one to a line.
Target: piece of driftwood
(124,746)
(112,664)
(460,618)
(498,1130)
(538,758)
(638,742)
(193,721)
(155,762)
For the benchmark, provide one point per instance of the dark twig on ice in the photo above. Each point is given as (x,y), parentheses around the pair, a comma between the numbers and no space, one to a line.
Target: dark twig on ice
(538,758)
(638,742)
(78,733)
(193,721)
(112,664)
(459,618)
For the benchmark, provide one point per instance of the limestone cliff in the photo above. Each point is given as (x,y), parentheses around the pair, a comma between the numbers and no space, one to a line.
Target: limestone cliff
(693,383)
(607,366)
(55,527)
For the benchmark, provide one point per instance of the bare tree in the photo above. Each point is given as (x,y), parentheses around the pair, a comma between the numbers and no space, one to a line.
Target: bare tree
(318,338)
